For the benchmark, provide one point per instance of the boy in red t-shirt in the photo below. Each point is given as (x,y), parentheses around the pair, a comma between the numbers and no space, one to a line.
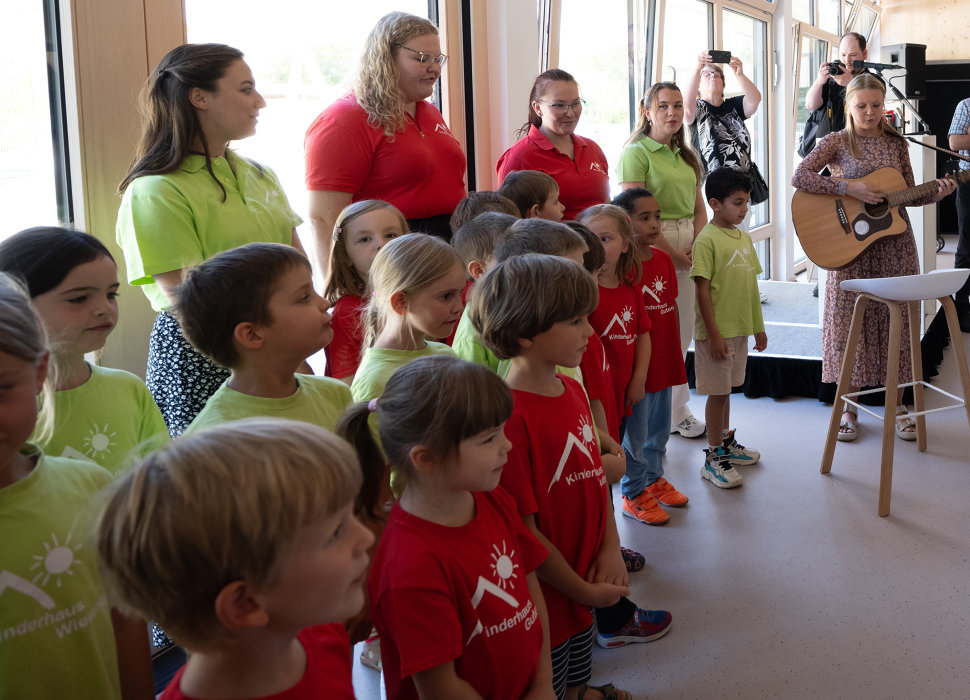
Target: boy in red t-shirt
(254,578)
(532,309)
(648,427)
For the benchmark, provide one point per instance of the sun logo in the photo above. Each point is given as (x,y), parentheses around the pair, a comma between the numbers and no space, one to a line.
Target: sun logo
(502,565)
(627,314)
(55,562)
(585,430)
(658,285)
(98,441)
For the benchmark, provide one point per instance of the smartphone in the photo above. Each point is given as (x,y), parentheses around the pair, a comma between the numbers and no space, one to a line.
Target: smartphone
(720,56)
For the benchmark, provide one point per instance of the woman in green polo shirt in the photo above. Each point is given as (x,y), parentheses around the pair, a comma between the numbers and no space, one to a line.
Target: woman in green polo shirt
(658,157)
(187,197)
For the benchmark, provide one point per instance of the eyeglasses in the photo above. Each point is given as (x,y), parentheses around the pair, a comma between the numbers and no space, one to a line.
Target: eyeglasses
(710,73)
(423,57)
(562,107)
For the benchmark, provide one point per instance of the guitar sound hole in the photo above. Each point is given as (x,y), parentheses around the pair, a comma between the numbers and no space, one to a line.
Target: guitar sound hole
(877,210)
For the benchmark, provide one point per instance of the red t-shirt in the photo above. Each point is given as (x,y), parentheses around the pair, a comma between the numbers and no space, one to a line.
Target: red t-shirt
(554,471)
(421,171)
(658,284)
(441,594)
(598,380)
(583,180)
(618,319)
(328,668)
(343,352)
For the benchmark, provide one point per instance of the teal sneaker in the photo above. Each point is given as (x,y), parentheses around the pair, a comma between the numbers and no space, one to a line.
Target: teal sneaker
(739,455)
(718,470)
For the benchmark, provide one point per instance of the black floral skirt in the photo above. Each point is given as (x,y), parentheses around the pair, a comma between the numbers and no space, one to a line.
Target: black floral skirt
(180,379)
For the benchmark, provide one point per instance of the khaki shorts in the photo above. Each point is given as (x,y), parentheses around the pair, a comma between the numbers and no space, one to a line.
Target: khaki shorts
(718,377)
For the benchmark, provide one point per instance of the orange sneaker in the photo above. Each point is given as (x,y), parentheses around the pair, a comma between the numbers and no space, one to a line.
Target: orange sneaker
(645,509)
(665,493)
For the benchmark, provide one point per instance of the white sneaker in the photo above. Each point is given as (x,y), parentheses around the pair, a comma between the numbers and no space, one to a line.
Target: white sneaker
(690,427)
(764,297)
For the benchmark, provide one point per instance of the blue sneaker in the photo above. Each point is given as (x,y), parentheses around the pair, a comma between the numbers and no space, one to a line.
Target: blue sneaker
(718,470)
(644,626)
(739,455)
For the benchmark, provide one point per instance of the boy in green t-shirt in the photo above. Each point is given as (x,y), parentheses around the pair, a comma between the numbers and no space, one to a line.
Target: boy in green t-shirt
(725,271)
(253,310)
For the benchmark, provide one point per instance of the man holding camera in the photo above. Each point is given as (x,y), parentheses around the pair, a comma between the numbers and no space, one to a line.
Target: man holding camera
(828,90)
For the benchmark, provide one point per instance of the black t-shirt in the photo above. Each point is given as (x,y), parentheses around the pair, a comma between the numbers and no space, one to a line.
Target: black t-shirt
(720,134)
(837,93)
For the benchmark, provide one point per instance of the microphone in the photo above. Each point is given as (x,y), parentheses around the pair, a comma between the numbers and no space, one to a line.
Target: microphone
(856,65)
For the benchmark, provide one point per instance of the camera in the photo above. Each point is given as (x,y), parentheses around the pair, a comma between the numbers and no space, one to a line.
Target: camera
(836,68)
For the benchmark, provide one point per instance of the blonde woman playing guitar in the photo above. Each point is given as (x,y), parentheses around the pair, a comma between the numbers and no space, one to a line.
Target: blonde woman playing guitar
(866,144)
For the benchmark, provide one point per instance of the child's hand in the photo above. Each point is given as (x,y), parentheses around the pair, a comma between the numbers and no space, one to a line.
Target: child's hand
(760,341)
(608,567)
(688,253)
(634,392)
(603,595)
(719,348)
(609,446)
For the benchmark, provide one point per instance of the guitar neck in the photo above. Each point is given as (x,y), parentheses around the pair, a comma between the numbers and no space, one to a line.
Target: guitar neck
(911,194)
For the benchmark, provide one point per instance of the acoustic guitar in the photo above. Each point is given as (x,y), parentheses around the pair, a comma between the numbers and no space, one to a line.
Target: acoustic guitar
(835,229)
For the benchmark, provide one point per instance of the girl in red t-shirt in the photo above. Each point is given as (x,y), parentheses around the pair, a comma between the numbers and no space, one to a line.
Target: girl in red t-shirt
(361,230)
(453,589)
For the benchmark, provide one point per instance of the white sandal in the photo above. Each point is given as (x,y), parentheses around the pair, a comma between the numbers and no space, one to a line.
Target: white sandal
(848,430)
(905,425)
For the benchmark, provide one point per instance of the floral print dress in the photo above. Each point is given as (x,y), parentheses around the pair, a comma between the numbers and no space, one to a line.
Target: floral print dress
(887,257)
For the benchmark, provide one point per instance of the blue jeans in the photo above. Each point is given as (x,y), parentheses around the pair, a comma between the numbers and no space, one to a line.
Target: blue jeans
(645,441)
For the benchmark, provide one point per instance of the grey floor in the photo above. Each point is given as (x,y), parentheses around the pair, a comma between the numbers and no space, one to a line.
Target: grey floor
(791,586)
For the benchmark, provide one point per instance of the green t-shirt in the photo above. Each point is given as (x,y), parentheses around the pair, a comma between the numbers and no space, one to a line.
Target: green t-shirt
(178,220)
(105,419)
(378,364)
(662,171)
(56,638)
(317,400)
(733,268)
(468,346)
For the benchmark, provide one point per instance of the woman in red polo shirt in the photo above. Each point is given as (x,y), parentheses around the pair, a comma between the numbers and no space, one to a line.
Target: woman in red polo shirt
(384,140)
(547,143)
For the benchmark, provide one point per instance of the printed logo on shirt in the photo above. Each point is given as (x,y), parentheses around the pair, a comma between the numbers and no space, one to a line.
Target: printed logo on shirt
(740,259)
(597,168)
(655,290)
(50,569)
(616,328)
(503,569)
(97,445)
(440,128)
(582,441)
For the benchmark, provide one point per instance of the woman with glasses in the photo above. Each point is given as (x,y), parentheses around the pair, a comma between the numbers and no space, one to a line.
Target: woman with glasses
(718,123)
(383,140)
(547,142)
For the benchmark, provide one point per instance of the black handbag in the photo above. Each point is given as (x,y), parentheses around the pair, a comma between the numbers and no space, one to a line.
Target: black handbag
(759,188)
(818,125)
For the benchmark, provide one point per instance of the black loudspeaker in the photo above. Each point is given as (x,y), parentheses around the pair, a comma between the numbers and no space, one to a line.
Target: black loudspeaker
(912,80)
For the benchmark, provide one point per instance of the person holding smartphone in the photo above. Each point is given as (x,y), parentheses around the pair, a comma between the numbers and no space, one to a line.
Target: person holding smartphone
(717,124)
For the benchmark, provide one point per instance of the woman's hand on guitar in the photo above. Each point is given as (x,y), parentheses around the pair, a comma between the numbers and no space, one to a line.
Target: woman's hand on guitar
(861,191)
(947,185)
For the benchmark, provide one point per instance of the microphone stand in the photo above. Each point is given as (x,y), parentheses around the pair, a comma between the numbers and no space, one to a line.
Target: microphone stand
(902,98)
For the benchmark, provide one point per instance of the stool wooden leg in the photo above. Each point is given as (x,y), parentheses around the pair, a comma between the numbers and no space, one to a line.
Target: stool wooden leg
(919,395)
(889,417)
(845,374)
(956,342)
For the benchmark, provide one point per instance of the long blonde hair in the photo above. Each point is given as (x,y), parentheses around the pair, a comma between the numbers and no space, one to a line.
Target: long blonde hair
(377,88)
(864,81)
(678,140)
(407,264)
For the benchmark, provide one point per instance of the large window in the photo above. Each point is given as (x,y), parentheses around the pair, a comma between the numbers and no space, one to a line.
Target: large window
(602,69)
(300,67)
(33,178)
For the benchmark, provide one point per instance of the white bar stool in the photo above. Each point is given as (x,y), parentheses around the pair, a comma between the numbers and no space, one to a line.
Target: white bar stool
(894,292)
